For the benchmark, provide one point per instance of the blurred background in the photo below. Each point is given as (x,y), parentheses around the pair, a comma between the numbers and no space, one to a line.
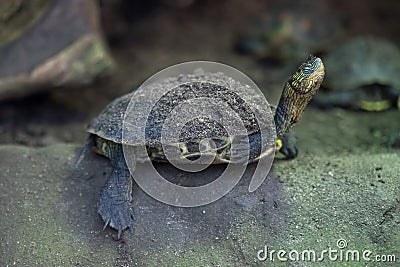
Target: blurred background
(62,61)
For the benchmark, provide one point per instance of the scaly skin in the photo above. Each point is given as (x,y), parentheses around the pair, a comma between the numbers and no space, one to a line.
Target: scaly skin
(298,91)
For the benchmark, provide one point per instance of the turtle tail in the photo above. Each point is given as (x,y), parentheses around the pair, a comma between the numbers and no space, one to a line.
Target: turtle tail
(90,142)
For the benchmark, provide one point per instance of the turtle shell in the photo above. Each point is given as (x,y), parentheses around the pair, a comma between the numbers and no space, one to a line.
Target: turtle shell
(363,61)
(186,108)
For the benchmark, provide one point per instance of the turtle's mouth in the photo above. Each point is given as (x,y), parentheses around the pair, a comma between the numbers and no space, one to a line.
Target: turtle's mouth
(319,73)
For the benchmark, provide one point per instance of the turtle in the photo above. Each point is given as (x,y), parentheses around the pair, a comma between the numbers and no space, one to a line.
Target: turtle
(363,74)
(288,30)
(107,137)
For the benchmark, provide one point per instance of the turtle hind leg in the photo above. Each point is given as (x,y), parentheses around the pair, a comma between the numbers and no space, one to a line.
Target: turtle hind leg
(115,197)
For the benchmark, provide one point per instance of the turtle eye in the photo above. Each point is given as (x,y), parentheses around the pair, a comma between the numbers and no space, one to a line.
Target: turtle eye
(311,66)
(308,70)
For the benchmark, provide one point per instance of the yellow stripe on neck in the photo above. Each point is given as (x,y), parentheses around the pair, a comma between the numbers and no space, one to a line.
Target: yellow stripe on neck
(279,144)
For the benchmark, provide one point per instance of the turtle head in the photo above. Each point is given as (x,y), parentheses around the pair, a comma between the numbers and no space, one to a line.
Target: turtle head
(298,91)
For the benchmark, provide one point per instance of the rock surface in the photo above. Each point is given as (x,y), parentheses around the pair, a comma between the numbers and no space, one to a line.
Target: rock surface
(49,216)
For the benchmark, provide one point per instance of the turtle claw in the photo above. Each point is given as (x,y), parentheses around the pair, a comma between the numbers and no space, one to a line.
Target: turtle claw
(105,224)
(115,210)
(116,215)
(119,231)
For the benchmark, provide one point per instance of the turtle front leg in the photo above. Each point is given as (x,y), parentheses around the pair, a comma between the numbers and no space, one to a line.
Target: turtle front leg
(289,148)
(115,197)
